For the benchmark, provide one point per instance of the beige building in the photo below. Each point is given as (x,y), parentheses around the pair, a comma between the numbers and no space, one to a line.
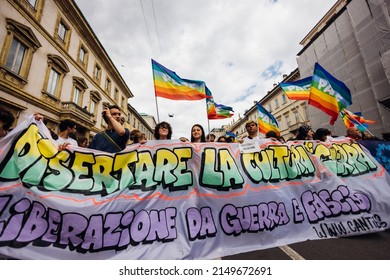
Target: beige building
(289,114)
(52,62)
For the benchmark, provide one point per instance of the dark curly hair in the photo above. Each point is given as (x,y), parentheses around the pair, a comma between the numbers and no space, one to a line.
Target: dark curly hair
(158,126)
(7,118)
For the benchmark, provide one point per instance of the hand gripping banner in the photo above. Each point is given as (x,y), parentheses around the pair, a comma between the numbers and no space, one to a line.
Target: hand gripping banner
(173,200)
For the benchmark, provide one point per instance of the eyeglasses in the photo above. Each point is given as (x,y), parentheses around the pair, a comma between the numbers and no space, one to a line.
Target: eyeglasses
(163,127)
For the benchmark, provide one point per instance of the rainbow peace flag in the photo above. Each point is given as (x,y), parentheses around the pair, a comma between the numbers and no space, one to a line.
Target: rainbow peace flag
(167,84)
(355,120)
(217,111)
(297,90)
(328,94)
(266,121)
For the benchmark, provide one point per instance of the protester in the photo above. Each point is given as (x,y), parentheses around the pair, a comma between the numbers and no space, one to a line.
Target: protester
(210,137)
(304,133)
(252,129)
(115,137)
(272,135)
(322,134)
(231,139)
(163,131)
(139,138)
(222,139)
(67,130)
(368,136)
(82,142)
(197,135)
(354,133)
(131,135)
(6,121)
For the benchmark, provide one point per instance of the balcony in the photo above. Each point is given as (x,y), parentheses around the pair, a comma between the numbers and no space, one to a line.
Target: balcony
(71,110)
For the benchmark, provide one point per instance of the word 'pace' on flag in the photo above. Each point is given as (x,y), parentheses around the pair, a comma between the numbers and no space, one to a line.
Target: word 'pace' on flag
(167,84)
(328,94)
(266,121)
(297,90)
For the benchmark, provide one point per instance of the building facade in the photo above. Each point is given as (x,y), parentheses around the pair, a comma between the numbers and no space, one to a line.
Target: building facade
(352,42)
(51,62)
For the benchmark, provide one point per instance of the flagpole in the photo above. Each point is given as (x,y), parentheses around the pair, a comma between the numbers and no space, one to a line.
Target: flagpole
(155,97)
(158,114)
(353,119)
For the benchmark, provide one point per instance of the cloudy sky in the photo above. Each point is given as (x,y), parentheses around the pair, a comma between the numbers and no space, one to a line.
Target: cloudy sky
(238,48)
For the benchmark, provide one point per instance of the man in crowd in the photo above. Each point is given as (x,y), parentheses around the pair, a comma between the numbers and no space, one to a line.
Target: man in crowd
(354,133)
(115,137)
(67,131)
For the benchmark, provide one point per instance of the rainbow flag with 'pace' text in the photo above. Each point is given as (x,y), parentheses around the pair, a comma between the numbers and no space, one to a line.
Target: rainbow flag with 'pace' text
(168,84)
(328,94)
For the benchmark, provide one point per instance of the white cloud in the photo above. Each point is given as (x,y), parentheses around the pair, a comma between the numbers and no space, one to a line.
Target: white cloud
(228,44)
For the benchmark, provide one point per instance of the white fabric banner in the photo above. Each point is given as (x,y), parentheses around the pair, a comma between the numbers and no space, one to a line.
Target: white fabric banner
(169,200)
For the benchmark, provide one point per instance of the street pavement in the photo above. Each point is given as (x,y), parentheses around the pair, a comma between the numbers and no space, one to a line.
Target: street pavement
(375,246)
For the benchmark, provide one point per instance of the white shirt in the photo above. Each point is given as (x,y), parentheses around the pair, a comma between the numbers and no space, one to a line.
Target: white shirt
(69,140)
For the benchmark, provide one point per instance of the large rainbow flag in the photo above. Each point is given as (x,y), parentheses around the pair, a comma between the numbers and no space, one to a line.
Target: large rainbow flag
(168,84)
(297,90)
(266,121)
(328,94)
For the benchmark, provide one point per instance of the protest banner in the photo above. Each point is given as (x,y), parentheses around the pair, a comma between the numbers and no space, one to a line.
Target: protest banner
(174,200)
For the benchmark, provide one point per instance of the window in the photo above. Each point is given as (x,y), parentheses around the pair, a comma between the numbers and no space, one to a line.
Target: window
(297,117)
(276,103)
(123,104)
(95,99)
(270,108)
(284,98)
(97,73)
(82,54)
(16,56)
(33,3)
(108,85)
(33,7)
(281,125)
(56,71)
(116,94)
(77,96)
(52,85)
(93,107)
(83,57)
(62,33)
(288,121)
(79,86)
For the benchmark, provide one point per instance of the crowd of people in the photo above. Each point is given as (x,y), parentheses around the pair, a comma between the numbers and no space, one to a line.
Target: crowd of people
(116,137)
